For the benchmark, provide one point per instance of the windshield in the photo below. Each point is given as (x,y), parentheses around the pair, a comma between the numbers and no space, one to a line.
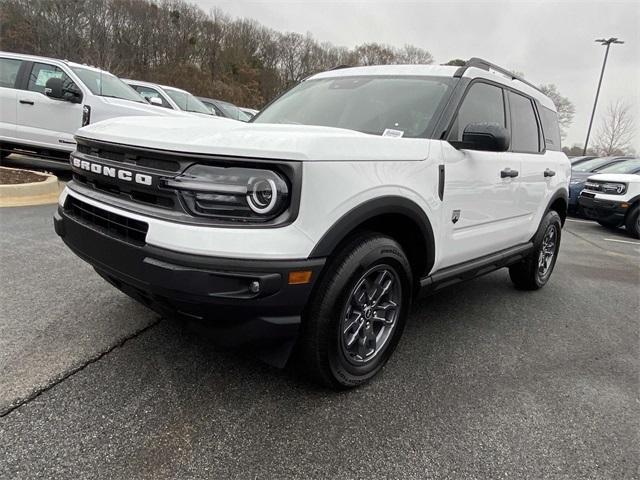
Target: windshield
(401,106)
(628,166)
(187,102)
(592,165)
(106,85)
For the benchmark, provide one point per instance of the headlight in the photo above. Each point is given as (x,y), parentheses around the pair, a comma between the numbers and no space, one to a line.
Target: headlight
(614,188)
(231,193)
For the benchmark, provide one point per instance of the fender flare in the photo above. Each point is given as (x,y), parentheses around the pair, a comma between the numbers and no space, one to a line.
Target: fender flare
(562,193)
(373,208)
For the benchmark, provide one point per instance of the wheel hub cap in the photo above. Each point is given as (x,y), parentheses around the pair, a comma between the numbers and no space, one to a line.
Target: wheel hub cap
(371,314)
(547,251)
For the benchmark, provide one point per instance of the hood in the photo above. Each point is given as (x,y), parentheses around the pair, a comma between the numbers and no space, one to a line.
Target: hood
(616,177)
(218,136)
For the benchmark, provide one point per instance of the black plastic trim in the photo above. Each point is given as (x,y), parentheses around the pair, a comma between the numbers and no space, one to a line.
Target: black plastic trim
(486,65)
(476,267)
(371,209)
(441,181)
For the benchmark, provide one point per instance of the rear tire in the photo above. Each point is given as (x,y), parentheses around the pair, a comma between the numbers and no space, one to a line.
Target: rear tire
(632,221)
(357,312)
(534,271)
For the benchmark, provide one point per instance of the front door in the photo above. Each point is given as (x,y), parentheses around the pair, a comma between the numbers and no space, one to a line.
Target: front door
(48,122)
(481,212)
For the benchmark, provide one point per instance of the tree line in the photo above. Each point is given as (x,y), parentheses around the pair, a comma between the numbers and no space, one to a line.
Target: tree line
(176,43)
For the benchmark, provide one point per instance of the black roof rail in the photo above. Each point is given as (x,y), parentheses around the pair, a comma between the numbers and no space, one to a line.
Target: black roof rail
(486,65)
(338,67)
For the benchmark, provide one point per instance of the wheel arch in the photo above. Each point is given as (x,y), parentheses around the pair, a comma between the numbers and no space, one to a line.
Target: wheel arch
(395,216)
(560,203)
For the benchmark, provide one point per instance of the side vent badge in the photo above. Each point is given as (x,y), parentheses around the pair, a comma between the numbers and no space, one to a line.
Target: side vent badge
(455,216)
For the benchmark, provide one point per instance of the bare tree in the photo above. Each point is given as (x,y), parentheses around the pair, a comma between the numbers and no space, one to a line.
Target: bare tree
(616,130)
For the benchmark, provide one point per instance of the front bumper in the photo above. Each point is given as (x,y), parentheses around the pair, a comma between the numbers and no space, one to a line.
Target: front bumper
(216,291)
(604,210)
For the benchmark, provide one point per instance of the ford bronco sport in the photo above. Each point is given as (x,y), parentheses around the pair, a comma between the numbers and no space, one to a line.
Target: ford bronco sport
(315,225)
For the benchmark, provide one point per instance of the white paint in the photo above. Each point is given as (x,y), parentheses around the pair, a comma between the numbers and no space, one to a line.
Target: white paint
(621,241)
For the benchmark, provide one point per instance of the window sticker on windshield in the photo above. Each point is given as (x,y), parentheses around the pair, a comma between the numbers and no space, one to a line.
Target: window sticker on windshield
(390,132)
(44,75)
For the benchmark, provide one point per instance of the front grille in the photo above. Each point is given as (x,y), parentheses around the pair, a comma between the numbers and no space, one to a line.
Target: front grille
(139,158)
(593,186)
(111,224)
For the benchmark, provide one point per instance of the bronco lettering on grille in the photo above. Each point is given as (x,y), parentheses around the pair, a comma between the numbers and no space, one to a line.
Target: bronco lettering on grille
(119,173)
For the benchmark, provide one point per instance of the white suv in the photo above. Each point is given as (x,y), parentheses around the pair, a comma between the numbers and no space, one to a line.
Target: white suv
(43,101)
(316,224)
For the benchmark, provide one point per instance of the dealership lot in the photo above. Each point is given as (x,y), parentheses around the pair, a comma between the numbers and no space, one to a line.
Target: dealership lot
(488,382)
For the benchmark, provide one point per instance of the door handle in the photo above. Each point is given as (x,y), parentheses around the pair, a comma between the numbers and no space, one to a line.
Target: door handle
(508,173)
(26,102)
(549,173)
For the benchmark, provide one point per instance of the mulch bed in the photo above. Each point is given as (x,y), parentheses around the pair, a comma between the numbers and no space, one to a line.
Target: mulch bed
(10,176)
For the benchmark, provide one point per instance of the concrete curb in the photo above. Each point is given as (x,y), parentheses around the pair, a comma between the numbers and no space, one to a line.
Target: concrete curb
(37,193)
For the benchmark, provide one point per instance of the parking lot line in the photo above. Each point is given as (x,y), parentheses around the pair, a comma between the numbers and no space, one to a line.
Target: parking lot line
(579,221)
(622,241)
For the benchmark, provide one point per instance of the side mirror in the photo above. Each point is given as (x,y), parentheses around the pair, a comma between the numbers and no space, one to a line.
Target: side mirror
(490,137)
(53,88)
(157,101)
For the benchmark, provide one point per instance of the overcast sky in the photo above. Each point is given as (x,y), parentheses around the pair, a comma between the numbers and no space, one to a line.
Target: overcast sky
(550,42)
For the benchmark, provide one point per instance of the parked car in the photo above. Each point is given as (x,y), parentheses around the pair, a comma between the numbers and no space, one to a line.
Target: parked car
(613,200)
(582,171)
(45,100)
(225,109)
(316,223)
(168,97)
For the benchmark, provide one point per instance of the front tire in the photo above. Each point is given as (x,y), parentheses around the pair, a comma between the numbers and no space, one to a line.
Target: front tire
(534,271)
(632,222)
(357,312)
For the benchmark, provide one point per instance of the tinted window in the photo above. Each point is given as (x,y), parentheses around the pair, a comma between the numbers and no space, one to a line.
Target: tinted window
(41,72)
(483,103)
(9,71)
(366,104)
(148,93)
(550,128)
(593,165)
(524,127)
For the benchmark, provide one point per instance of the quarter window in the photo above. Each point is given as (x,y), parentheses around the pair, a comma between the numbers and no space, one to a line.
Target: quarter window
(524,126)
(550,127)
(41,72)
(9,71)
(483,103)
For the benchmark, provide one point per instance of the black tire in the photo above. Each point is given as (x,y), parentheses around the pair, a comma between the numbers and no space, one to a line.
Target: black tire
(531,273)
(632,221)
(323,348)
(612,225)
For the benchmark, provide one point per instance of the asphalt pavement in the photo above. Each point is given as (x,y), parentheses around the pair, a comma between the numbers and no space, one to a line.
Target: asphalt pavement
(488,381)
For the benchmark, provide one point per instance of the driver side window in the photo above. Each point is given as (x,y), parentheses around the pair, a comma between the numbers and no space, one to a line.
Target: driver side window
(483,103)
(41,72)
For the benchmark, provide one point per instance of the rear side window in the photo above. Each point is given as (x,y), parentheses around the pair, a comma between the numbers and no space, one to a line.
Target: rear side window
(524,126)
(483,103)
(9,72)
(41,72)
(550,127)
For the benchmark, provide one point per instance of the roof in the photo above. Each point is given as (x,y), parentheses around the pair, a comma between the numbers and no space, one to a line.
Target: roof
(475,68)
(37,58)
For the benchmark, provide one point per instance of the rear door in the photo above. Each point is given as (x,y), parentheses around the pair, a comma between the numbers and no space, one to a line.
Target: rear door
(9,69)
(528,142)
(48,122)
(480,208)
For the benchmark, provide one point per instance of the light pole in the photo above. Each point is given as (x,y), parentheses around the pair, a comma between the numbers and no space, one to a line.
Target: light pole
(608,43)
